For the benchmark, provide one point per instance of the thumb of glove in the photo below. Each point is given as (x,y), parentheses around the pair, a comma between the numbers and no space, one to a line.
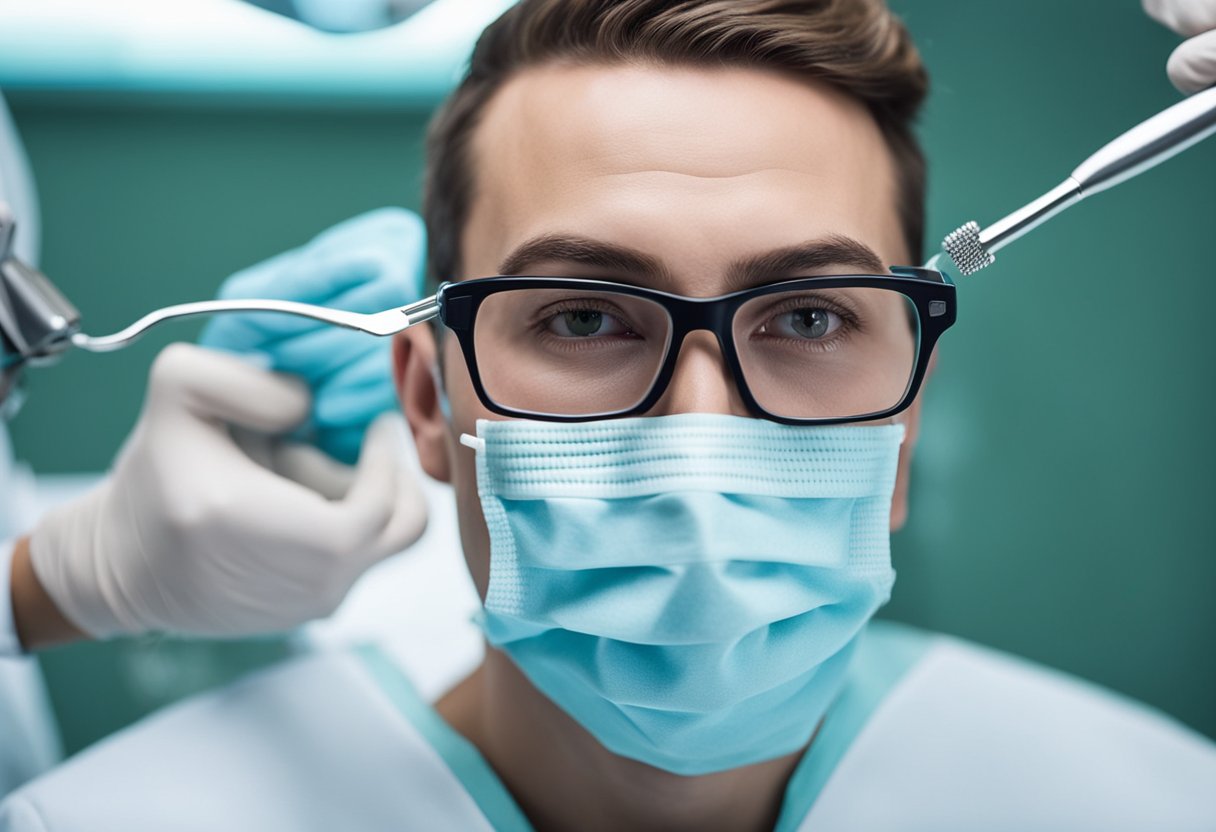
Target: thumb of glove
(1192,66)
(222,387)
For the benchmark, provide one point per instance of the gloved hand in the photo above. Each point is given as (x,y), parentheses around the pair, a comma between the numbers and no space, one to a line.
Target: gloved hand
(1192,66)
(190,535)
(367,264)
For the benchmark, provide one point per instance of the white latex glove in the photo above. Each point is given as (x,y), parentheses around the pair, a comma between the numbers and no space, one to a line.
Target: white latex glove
(189,534)
(1192,66)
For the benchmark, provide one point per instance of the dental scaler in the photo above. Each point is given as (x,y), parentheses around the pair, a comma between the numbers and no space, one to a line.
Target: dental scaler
(1145,146)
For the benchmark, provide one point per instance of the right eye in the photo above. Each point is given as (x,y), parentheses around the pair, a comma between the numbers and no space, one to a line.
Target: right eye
(586,323)
(807,323)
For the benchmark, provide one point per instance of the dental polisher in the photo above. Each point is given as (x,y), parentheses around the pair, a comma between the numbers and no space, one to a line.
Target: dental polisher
(1145,146)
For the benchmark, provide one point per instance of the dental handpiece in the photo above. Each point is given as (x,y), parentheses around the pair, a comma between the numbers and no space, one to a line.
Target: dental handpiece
(1145,146)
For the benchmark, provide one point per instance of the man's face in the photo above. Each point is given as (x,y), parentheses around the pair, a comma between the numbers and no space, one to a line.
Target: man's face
(688,171)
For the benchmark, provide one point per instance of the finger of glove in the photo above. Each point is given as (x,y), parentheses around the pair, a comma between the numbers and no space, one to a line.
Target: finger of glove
(298,462)
(348,402)
(357,393)
(354,231)
(344,442)
(373,367)
(383,247)
(270,332)
(214,385)
(294,461)
(1186,17)
(361,282)
(244,523)
(395,228)
(246,496)
(391,238)
(329,280)
(383,509)
(321,354)
(313,469)
(258,446)
(1192,66)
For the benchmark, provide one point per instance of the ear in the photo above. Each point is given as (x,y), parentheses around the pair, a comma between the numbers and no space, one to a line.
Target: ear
(414,354)
(911,419)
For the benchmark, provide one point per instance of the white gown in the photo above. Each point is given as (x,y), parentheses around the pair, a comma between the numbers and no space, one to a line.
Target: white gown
(931,733)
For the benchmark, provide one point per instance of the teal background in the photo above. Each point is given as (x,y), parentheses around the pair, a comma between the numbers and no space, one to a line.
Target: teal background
(1063,497)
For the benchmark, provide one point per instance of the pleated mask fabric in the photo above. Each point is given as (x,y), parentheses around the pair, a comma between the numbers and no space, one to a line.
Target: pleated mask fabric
(688,588)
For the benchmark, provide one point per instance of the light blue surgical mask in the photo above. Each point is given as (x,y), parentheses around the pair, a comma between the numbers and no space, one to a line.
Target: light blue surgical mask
(688,588)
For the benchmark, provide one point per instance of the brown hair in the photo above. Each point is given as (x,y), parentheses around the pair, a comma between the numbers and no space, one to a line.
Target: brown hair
(857,46)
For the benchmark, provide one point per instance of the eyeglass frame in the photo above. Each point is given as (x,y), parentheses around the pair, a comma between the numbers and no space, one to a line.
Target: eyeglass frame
(931,292)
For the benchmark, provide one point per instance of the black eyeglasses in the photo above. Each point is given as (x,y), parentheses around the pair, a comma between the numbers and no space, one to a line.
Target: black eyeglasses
(814,350)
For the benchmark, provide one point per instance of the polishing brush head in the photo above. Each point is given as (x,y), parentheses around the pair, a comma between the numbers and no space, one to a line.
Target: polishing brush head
(965,249)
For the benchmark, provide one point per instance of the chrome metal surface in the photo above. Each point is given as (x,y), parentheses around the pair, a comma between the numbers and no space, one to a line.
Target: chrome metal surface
(1144,146)
(388,322)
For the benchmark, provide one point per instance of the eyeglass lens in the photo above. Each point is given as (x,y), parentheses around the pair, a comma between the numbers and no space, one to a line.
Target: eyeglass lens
(823,353)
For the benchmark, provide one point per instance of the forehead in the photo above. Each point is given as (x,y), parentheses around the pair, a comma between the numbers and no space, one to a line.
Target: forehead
(695,166)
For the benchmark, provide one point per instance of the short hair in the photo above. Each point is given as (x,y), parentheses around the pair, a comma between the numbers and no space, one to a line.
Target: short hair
(857,47)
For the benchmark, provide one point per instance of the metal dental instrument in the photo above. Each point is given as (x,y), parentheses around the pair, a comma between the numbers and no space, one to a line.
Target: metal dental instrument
(1144,146)
(389,322)
(38,323)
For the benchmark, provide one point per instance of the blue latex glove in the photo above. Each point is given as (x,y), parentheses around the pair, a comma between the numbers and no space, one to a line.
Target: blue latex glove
(367,264)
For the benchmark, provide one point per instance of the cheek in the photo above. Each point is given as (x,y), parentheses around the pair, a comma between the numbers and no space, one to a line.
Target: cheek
(466,410)
(474,537)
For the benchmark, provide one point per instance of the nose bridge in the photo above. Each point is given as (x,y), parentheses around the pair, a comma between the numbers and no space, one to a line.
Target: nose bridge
(702,380)
(692,315)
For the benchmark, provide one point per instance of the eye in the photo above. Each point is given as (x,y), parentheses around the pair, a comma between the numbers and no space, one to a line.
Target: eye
(586,323)
(807,323)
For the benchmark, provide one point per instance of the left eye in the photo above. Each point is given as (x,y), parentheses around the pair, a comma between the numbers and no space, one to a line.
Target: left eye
(809,323)
(586,323)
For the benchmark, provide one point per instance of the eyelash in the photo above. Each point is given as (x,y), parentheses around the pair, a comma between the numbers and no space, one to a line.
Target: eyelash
(850,320)
(542,317)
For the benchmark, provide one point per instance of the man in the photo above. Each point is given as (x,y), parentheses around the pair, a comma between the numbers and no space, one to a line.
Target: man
(693,204)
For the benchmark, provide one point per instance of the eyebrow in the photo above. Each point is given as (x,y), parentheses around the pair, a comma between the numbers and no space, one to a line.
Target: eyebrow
(834,250)
(585,251)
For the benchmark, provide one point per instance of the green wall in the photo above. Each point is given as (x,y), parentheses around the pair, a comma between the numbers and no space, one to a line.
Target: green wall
(1063,498)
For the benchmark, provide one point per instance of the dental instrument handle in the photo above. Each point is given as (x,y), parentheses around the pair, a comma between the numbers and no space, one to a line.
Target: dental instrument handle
(389,322)
(1144,146)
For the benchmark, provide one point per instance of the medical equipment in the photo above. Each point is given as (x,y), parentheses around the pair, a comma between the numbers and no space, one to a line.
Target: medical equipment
(1145,146)
(40,323)
(36,320)
(389,322)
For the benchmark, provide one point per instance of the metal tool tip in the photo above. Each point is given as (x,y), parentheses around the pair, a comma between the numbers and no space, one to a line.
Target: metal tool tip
(965,249)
